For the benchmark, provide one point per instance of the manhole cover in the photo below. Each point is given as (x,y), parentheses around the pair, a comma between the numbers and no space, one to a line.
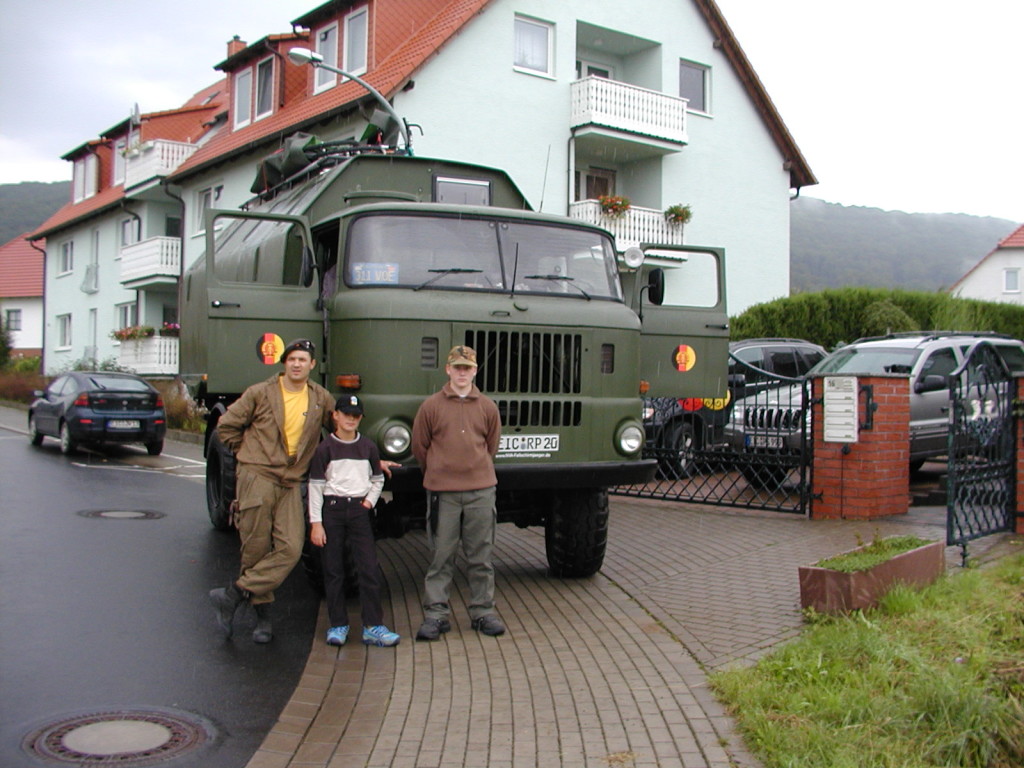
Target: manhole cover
(122,737)
(122,514)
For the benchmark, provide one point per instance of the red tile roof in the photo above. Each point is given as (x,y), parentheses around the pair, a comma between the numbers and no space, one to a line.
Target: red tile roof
(21,269)
(1014,240)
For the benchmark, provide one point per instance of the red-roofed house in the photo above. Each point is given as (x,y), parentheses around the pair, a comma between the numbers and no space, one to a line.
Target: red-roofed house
(21,296)
(999,276)
(576,99)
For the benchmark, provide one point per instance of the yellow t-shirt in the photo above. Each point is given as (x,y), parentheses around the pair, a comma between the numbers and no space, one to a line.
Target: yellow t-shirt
(296,404)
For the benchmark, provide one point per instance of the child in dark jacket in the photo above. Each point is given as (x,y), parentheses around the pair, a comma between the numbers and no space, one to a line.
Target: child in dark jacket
(345,481)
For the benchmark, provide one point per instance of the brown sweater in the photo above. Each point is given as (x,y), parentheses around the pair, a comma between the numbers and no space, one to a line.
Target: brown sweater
(455,440)
(253,428)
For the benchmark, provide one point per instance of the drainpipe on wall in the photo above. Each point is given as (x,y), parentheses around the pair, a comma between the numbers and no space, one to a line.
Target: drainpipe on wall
(181,243)
(42,354)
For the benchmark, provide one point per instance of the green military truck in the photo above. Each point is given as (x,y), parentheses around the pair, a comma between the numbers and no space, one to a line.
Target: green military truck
(387,261)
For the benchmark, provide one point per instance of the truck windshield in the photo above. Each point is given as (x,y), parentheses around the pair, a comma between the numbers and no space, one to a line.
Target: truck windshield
(445,253)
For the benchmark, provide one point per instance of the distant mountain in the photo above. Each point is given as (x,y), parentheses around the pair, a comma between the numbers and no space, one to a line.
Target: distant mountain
(25,206)
(832,246)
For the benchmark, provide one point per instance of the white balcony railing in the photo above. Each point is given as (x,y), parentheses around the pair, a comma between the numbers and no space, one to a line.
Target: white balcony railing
(637,225)
(155,159)
(625,107)
(157,355)
(156,258)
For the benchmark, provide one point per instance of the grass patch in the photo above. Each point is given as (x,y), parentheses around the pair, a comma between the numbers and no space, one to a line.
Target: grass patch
(932,677)
(878,551)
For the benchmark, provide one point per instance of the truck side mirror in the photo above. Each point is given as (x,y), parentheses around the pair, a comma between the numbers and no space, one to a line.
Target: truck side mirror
(307,268)
(656,286)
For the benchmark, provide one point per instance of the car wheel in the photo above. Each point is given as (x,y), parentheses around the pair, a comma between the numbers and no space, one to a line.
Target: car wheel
(676,457)
(155,448)
(33,430)
(67,445)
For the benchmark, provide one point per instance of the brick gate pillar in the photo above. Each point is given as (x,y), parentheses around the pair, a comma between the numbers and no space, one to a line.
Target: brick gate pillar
(871,477)
(1019,449)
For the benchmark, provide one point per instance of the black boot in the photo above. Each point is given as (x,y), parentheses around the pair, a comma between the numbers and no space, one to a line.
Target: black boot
(225,601)
(264,631)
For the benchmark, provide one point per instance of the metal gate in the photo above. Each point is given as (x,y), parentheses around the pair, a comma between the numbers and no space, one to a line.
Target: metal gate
(753,451)
(982,458)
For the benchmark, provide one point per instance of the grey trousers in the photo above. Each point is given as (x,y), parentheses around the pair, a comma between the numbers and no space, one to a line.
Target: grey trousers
(469,517)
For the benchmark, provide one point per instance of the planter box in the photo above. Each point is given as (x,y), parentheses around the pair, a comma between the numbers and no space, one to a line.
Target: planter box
(828,591)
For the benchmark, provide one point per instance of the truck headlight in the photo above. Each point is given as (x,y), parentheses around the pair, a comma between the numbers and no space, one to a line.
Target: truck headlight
(631,439)
(397,439)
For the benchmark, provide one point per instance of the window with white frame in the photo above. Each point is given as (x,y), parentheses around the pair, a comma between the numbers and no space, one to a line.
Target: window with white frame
(326,46)
(206,199)
(129,232)
(693,86)
(85,177)
(355,46)
(1011,281)
(534,46)
(243,98)
(67,258)
(120,147)
(64,330)
(264,87)
(12,320)
(127,314)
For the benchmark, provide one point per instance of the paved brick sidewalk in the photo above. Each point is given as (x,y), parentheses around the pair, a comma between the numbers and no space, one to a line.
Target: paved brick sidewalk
(606,671)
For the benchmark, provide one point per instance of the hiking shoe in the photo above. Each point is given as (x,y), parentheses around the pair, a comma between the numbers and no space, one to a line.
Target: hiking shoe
(337,635)
(431,629)
(264,631)
(225,601)
(489,625)
(380,636)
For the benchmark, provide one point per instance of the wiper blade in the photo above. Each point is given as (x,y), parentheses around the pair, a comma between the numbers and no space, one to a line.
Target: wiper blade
(443,272)
(559,279)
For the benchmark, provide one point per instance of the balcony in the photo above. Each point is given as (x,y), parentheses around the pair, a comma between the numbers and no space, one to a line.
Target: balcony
(151,263)
(637,225)
(630,119)
(155,159)
(154,356)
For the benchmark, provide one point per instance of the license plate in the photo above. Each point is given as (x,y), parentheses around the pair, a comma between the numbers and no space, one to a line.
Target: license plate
(764,441)
(523,445)
(123,424)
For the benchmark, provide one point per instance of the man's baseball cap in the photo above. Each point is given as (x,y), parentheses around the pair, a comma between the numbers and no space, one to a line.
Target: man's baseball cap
(349,404)
(302,345)
(461,355)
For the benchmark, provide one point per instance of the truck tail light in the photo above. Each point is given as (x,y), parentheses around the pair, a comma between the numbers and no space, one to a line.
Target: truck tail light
(349,382)
(645,387)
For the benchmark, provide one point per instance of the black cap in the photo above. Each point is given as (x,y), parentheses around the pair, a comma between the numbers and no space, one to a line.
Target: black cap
(349,404)
(303,345)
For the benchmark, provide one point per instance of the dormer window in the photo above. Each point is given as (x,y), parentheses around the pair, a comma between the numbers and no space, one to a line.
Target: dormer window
(86,175)
(120,147)
(326,46)
(254,101)
(356,27)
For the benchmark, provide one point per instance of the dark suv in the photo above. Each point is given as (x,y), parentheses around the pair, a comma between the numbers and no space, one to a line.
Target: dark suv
(675,428)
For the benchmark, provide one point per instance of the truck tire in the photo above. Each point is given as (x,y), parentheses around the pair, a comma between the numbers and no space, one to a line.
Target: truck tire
(220,483)
(576,533)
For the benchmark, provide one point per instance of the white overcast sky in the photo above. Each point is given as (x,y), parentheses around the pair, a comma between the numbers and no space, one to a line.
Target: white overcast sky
(910,105)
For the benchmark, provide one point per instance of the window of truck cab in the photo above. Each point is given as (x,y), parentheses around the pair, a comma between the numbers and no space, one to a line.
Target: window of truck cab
(436,252)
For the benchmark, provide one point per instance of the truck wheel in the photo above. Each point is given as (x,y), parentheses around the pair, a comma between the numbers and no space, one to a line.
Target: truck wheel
(220,483)
(576,533)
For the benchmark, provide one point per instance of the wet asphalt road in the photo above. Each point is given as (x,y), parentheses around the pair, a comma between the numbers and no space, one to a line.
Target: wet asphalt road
(111,613)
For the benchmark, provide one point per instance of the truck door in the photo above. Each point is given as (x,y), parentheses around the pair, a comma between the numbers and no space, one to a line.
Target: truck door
(684,345)
(261,294)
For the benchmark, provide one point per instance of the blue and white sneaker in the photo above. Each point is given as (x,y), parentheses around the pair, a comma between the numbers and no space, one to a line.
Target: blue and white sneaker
(337,635)
(380,636)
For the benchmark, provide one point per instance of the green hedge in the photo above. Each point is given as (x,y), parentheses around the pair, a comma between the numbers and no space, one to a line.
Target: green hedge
(841,315)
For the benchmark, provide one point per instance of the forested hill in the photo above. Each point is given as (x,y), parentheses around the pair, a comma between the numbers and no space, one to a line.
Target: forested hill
(25,206)
(835,245)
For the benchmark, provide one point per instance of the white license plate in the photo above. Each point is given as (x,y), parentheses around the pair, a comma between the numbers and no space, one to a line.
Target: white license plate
(764,441)
(516,445)
(123,424)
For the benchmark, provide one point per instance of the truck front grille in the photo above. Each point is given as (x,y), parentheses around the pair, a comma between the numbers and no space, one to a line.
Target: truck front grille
(530,363)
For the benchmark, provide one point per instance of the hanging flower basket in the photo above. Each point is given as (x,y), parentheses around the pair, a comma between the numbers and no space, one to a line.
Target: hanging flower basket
(614,206)
(678,214)
(132,332)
